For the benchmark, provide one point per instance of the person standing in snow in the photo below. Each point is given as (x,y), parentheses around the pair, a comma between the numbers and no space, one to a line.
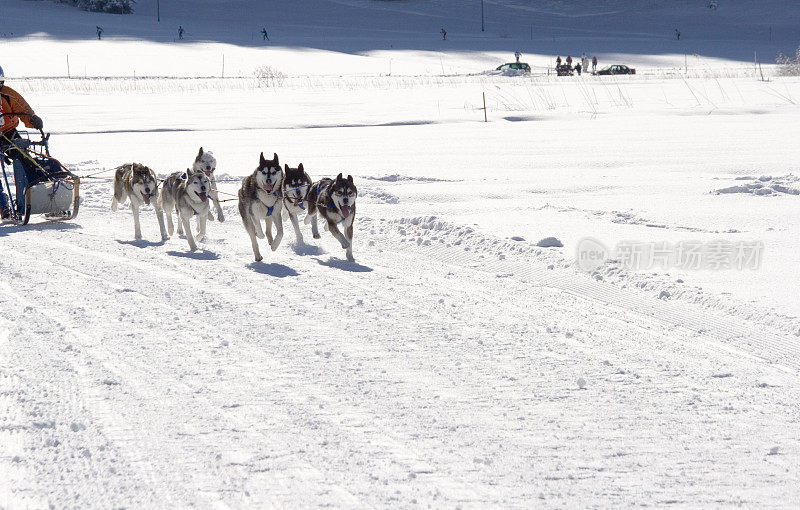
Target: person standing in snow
(578,68)
(585,62)
(594,65)
(517,54)
(13,108)
(558,61)
(180,33)
(99,33)
(444,34)
(265,34)
(569,60)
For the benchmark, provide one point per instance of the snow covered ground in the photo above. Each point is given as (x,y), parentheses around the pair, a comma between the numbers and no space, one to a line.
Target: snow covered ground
(455,363)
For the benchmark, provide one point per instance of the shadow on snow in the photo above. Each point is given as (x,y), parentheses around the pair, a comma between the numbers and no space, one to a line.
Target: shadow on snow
(273,269)
(344,265)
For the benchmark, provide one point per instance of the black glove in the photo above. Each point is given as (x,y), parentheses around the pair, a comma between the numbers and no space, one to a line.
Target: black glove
(37,122)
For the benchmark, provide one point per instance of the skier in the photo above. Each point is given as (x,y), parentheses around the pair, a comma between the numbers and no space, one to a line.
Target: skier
(265,34)
(578,68)
(180,33)
(99,33)
(517,54)
(594,65)
(678,34)
(13,108)
(444,34)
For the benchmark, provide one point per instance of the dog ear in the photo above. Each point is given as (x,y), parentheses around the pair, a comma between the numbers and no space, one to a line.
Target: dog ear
(275,158)
(339,177)
(300,167)
(199,155)
(262,160)
(350,179)
(286,168)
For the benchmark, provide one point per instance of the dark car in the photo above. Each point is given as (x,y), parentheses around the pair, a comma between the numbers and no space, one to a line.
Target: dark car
(564,70)
(617,69)
(520,67)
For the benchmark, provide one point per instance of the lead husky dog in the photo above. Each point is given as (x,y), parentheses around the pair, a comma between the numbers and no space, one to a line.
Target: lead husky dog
(260,198)
(296,184)
(206,162)
(335,201)
(187,193)
(137,183)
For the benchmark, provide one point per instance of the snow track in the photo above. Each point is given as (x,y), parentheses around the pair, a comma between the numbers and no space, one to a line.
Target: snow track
(439,369)
(465,247)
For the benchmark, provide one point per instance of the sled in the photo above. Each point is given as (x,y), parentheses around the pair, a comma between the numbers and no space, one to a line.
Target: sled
(43,186)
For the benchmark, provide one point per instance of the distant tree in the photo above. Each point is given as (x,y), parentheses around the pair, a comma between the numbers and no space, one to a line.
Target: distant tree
(109,6)
(789,66)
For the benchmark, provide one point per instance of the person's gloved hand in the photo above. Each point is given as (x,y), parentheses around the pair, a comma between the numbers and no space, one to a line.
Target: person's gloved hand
(37,122)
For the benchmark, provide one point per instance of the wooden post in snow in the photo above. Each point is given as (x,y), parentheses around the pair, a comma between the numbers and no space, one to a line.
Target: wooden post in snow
(68,73)
(755,63)
(485,118)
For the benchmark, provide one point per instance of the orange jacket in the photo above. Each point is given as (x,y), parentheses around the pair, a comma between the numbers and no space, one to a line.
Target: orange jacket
(13,108)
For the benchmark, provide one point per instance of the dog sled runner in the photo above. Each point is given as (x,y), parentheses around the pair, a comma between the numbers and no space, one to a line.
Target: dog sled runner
(40,184)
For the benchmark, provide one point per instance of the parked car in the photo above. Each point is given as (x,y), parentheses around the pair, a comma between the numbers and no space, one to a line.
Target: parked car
(617,69)
(564,70)
(514,67)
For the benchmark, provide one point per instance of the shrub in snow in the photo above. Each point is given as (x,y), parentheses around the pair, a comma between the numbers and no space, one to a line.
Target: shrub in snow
(109,6)
(269,77)
(789,66)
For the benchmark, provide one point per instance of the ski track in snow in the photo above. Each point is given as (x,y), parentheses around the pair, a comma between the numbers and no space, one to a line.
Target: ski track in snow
(155,377)
(455,364)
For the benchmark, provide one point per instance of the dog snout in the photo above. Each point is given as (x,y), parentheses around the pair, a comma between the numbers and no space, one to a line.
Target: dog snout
(203,189)
(346,200)
(147,190)
(208,167)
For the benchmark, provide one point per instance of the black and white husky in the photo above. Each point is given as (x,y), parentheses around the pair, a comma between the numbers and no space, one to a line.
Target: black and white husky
(296,184)
(206,162)
(261,199)
(137,183)
(187,192)
(334,200)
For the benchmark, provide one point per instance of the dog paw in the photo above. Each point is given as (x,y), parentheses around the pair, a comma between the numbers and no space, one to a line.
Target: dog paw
(165,238)
(259,258)
(350,257)
(220,218)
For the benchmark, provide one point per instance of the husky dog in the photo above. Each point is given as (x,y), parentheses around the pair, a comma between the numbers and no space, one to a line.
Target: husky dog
(137,183)
(206,162)
(335,201)
(296,184)
(187,192)
(261,198)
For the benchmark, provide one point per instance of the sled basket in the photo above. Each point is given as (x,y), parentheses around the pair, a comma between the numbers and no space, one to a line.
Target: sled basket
(49,189)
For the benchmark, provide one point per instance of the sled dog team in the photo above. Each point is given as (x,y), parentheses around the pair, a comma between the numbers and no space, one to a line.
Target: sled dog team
(263,197)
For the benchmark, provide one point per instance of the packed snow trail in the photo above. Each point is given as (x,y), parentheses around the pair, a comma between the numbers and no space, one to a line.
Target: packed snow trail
(136,373)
